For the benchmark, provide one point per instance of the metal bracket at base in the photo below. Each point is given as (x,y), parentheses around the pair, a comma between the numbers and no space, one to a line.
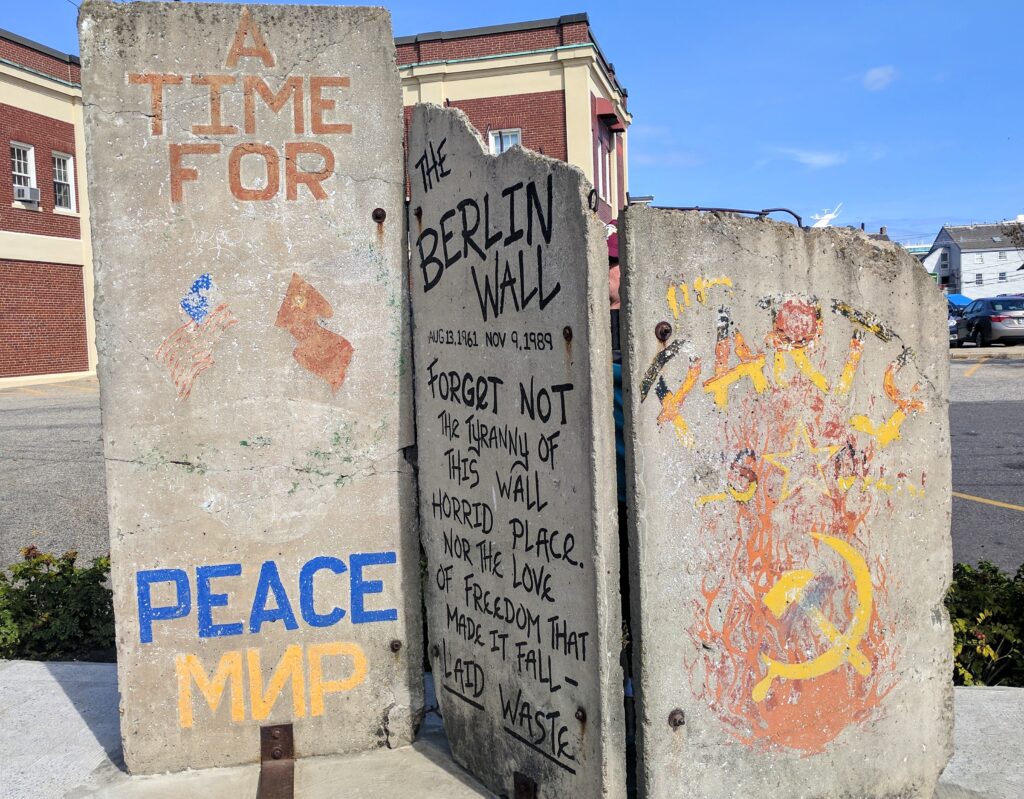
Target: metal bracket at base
(277,763)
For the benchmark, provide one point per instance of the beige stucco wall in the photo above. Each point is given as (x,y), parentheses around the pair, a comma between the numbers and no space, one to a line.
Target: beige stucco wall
(573,69)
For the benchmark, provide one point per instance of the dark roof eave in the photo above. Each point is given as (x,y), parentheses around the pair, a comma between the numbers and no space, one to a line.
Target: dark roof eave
(511,27)
(67,58)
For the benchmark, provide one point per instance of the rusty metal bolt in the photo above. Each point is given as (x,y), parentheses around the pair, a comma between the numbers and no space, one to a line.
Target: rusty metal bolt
(276,753)
(275,733)
(379,215)
(676,719)
(662,331)
(396,645)
(581,714)
(567,333)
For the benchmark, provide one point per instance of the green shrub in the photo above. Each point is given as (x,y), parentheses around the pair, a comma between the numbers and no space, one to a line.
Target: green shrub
(51,610)
(986,607)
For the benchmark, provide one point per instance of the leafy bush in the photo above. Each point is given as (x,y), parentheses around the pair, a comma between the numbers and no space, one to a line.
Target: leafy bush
(986,607)
(51,610)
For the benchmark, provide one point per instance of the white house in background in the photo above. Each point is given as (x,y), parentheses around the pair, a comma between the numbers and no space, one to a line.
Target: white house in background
(976,261)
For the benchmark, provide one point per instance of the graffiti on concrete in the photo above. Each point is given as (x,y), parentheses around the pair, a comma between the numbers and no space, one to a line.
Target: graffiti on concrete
(188,351)
(793,627)
(320,351)
(172,596)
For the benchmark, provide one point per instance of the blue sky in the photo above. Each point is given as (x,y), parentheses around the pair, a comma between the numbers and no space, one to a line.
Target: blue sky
(910,113)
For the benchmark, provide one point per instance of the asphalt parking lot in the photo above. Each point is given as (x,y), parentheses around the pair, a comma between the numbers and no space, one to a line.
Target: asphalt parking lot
(52,485)
(52,490)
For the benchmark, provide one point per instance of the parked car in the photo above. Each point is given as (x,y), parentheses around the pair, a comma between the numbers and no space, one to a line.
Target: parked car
(954,336)
(992,319)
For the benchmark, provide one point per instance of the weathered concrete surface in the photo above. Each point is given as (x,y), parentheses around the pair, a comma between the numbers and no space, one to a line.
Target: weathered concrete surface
(790,450)
(516,462)
(255,384)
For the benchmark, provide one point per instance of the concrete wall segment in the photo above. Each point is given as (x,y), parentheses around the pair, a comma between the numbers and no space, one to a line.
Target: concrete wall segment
(541,533)
(255,376)
(787,430)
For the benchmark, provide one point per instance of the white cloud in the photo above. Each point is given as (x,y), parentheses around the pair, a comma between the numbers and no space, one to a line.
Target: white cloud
(877,78)
(815,159)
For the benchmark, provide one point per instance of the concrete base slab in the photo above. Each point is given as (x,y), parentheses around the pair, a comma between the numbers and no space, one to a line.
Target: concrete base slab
(988,758)
(59,733)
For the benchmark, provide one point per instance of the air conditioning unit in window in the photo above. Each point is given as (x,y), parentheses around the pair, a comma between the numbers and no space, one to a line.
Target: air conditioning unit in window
(26,194)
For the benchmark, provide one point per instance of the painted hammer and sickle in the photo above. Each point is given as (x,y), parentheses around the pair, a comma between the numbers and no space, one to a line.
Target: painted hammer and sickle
(789,590)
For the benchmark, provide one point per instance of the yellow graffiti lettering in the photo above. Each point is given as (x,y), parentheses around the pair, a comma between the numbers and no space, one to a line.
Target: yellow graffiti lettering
(852,361)
(803,363)
(704,500)
(318,686)
(229,668)
(889,431)
(672,403)
(702,284)
(289,667)
(751,366)
(844,645)
(740,496)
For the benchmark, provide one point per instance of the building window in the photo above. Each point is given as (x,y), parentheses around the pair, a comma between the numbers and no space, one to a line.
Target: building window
(1002,255)
(63,182)
(23,165)
(977,279)
(1002,277)
(501,140)
(979,258)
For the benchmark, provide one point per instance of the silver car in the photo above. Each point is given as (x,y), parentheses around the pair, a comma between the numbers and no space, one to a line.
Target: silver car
(993,319)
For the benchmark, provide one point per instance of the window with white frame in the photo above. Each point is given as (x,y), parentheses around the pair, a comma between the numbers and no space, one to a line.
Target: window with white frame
(502,140)
(63,182)
(23,165)
(1002,277)
(978,279)
(1002,255)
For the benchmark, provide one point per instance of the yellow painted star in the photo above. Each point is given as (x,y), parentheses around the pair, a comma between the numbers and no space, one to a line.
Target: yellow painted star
(802,457)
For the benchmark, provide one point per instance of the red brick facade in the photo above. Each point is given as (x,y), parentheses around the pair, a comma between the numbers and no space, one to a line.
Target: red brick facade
(42,319)
(47,136)
(493,43)
(64,69)
(540,116)
(42,305)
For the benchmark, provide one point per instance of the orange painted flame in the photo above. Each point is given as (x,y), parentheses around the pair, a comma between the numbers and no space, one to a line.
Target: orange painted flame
(751,545)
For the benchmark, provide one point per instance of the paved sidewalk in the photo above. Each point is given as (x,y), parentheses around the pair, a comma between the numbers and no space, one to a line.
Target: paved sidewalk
(59,735)
(988,353)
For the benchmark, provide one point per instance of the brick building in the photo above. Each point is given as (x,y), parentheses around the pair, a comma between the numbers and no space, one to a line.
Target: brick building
(46,288)
(544,84)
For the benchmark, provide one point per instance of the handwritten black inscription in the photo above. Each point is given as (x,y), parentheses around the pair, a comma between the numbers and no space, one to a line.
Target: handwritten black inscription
(505,255)
(505,458)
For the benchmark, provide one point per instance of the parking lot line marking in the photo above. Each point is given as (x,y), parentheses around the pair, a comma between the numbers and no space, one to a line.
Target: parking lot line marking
(976,367)
(984,501)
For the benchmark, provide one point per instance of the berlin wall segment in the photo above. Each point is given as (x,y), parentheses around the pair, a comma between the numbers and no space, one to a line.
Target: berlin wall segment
(788,438)
(516,462)
(255,379)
